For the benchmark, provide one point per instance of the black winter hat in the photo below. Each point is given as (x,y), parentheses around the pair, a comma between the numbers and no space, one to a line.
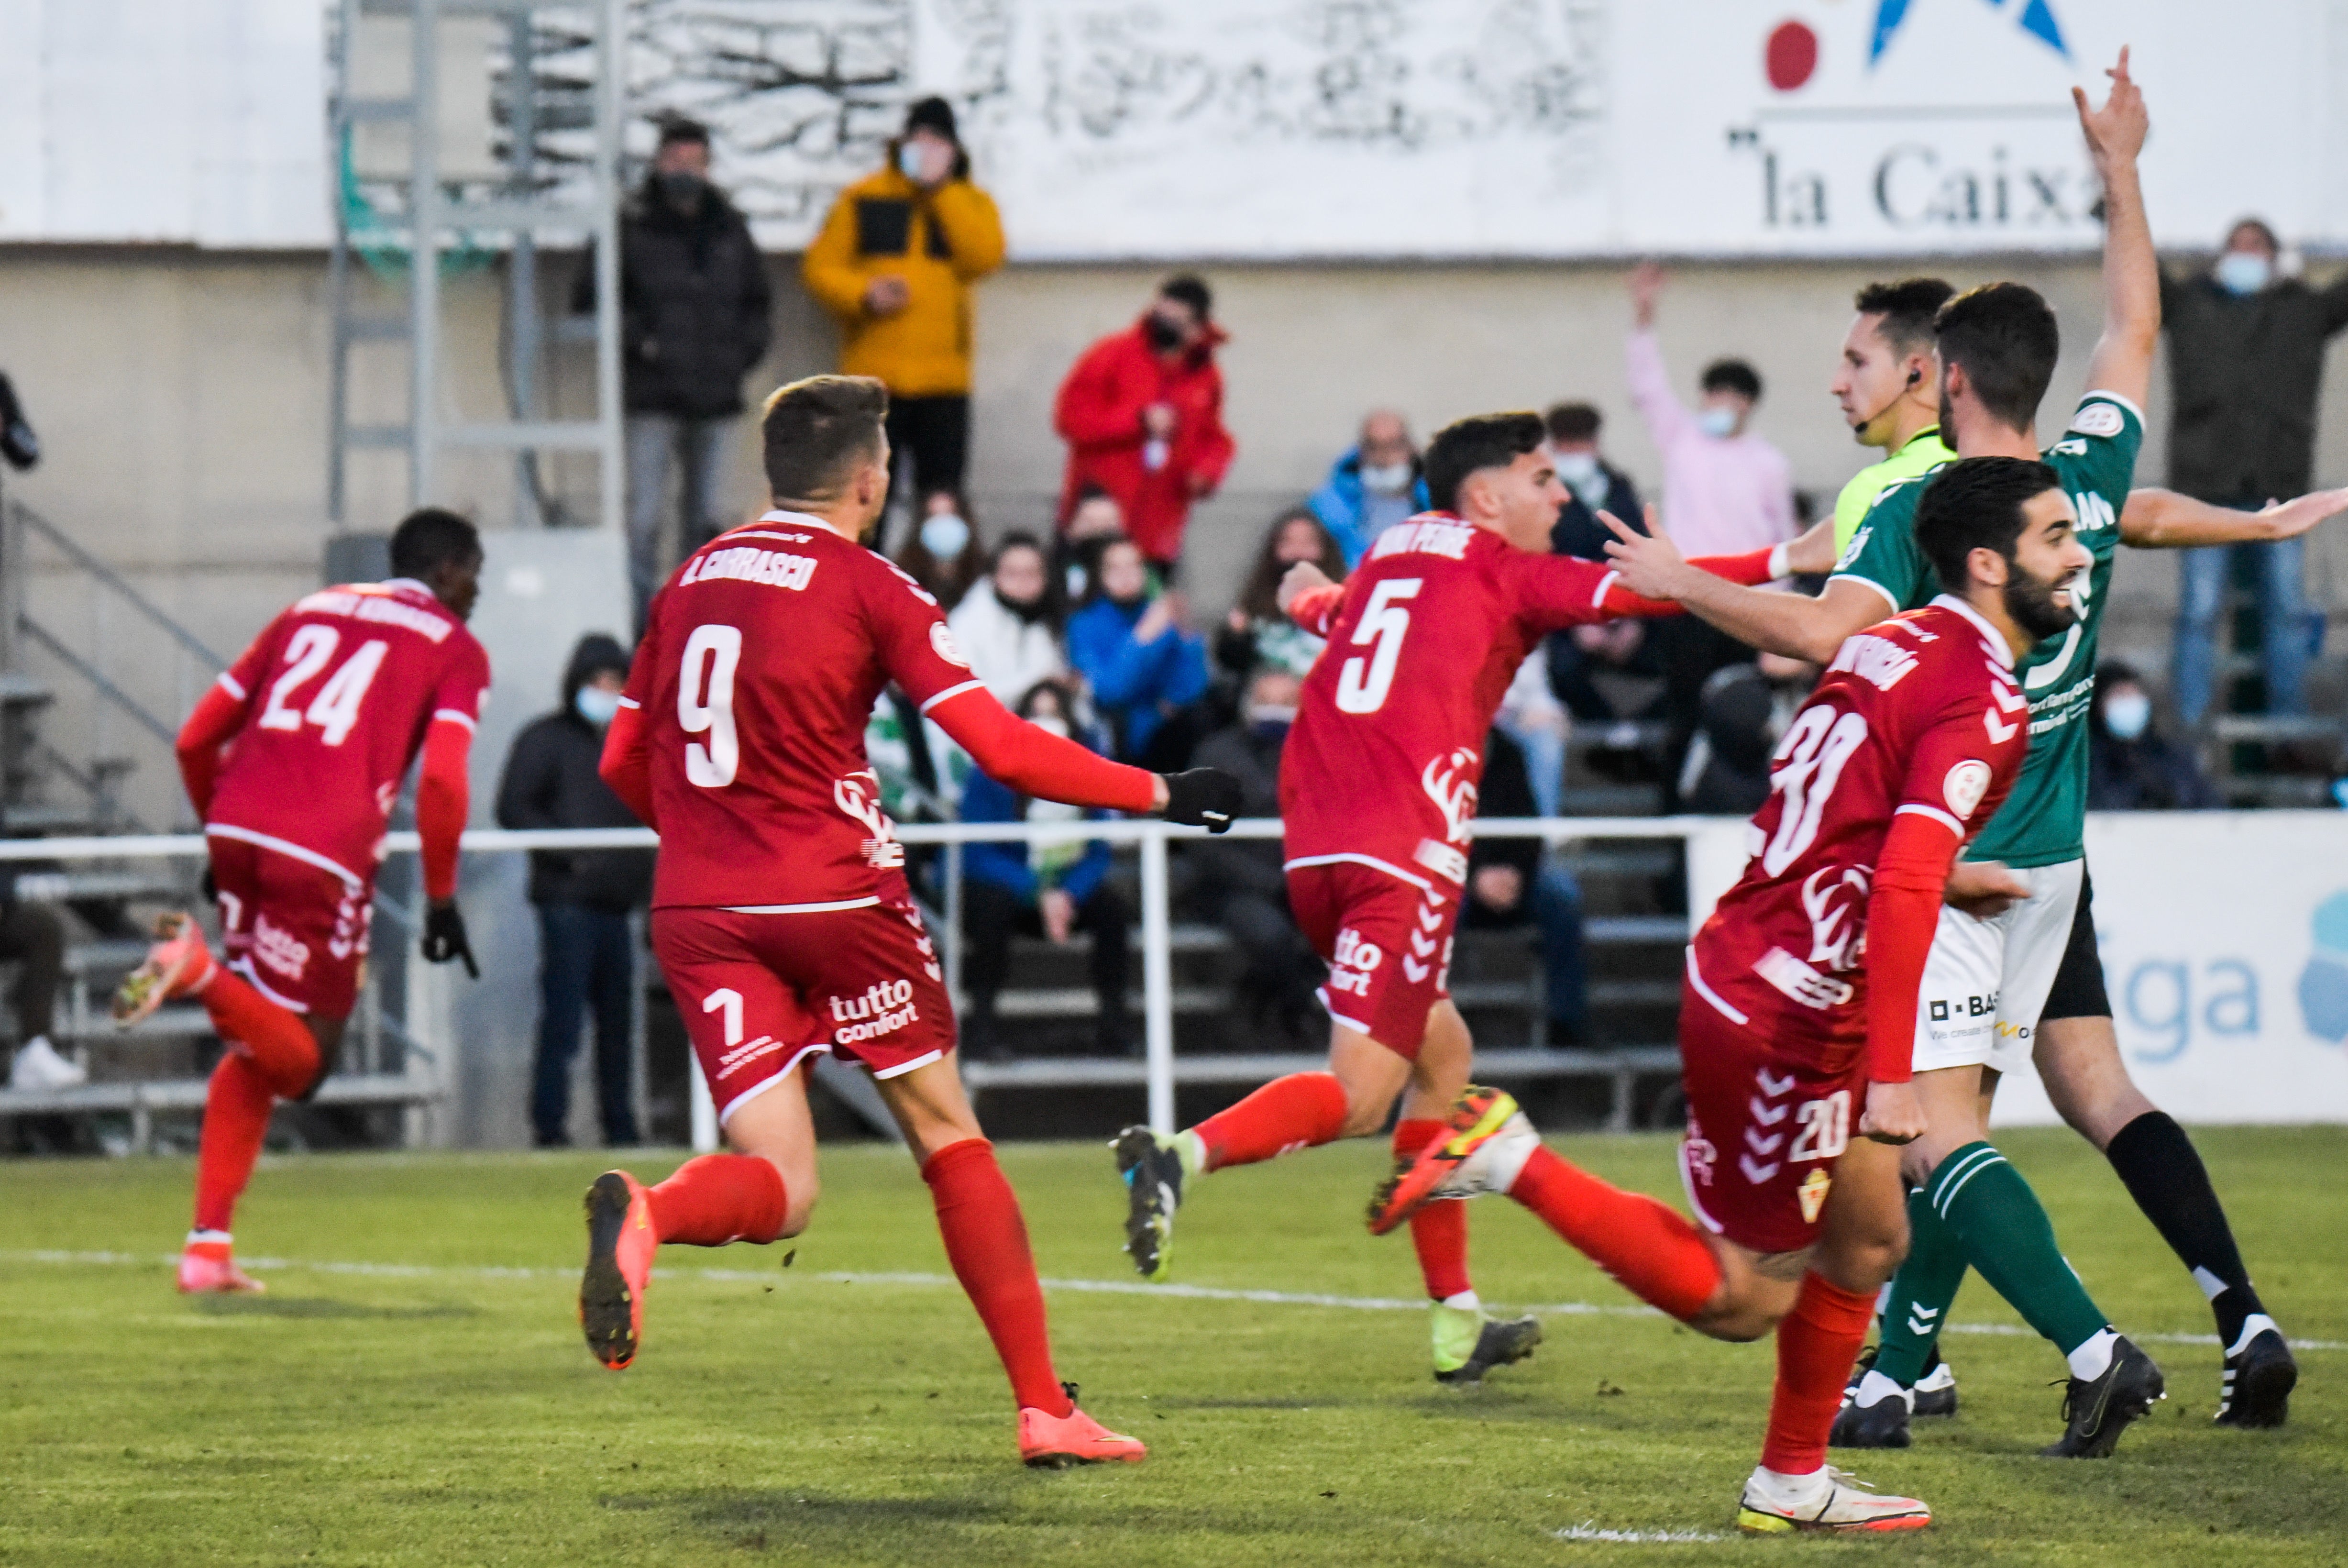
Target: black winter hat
(933,114)
(597,653)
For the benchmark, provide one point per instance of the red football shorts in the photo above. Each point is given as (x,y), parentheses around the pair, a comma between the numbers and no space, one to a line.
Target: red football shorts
(1763,1131)
(1388,944)
(760,992)
(298,931)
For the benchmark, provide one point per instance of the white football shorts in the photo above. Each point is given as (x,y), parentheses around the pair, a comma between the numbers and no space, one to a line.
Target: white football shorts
(1987,980)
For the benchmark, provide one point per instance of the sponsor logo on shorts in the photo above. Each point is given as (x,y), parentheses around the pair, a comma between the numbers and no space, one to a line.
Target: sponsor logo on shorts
(1354,963)
(278,948)
(743,1055)
(1943,1009)
(884,1009)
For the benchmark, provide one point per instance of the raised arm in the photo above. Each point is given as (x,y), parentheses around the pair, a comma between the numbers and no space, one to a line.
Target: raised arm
(2164,520)
(2114,133)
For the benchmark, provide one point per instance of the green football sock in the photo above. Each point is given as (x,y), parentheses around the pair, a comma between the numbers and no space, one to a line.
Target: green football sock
(1921,1294)
(2005,1234)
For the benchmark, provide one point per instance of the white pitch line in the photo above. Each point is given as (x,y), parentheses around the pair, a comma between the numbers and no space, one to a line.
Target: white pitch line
(938,1281)
(1589,1530)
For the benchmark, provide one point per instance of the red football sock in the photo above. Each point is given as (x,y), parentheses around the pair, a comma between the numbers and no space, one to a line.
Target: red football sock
(717,1199)
(986,1241)
(279,1041)
(1439,1231)
(1649,1249)
(236,1118)
(1299,1111)
(1817,1344)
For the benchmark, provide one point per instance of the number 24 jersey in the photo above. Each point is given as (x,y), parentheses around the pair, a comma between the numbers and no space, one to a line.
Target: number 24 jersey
(1919,714)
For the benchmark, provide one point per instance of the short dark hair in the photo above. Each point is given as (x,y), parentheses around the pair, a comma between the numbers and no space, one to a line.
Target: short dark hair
(1192,291)
(1478,441)
(1976,503)
(2005,338)
(678,128)
(1573,422)
(430,538)
(2265,229)
(818,429)
(1907,308)
(1732,376)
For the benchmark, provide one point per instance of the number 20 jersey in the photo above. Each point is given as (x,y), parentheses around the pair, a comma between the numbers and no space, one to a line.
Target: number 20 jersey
(338,692)
(760,662)
(1919,714)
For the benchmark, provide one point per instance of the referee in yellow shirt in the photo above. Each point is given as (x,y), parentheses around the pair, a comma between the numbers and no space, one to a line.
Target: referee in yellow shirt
(1888,385)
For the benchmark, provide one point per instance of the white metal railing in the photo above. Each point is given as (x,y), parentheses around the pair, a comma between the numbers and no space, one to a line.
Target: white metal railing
(1150,835)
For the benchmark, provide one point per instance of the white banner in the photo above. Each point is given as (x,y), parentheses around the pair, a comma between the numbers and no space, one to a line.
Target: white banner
(1283,128)
(2224,937)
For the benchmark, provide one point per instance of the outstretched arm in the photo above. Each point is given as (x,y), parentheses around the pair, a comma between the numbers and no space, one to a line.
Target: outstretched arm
(1032,761)
(1788,624)
(2114,133)
(2164,520)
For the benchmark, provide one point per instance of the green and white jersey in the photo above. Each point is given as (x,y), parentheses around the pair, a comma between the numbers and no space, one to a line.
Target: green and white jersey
(2042,823)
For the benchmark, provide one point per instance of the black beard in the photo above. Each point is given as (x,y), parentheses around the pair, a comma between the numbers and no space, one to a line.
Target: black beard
(1946,415)
(2031,602)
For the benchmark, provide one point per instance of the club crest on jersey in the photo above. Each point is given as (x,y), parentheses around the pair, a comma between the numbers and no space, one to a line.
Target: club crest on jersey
(2099,419)
(858,794)
(1813,1193)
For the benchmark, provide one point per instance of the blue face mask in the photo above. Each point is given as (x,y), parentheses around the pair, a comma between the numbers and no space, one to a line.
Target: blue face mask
(596,705)
(2244,271)
(943,534)
(2127,714)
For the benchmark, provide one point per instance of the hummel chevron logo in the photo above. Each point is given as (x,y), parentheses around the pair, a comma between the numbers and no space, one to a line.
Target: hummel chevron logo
(1755,1172)
(1421,945)
(1412,968)
(1760,1145)
(2000,733)
(1767,1114)
(1771,1087)
(1429,919)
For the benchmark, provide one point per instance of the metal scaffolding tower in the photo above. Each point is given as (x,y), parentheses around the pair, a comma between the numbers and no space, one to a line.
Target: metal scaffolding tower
(448,208)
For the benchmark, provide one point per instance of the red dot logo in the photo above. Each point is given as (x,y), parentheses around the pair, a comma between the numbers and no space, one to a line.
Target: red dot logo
(1791,56)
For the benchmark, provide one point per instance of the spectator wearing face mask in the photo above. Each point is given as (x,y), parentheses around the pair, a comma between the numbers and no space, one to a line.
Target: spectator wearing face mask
(2131,767)
(1238,884)
(1592,484)
(1008,625)
(1725,489)
(694,320)
(587,954)
(1052,890)
(1142,412)
(1147,672)
(1076,548)
(2246,348)
(1509,887)
(1256,635)
(894,264)
(1372,487)
(943,555)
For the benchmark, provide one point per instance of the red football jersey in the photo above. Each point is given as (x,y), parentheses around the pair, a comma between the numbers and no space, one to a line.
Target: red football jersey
(1383,763)
(1918,714)
(760,666)
(337,693)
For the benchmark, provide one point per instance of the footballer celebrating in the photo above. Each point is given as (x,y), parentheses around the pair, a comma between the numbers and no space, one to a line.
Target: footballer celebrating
(293,760)
(1798,1018)
(2025,985)
(781,914)
(1377,791)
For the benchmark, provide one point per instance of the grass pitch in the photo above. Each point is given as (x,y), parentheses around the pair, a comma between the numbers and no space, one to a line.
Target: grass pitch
(414,1390)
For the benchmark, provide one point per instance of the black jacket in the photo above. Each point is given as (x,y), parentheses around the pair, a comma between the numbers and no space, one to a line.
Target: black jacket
(551,781)
(1223,867)
(2147,774)
(1506,791)
(694,305)
(2246,372)
(1578,531)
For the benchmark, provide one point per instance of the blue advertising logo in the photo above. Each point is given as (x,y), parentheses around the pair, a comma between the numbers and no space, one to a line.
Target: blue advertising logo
(2324,984)
(2037,20)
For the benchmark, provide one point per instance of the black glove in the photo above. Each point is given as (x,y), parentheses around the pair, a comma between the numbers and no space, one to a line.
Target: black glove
(444,938)
(210,886)
(1205,798)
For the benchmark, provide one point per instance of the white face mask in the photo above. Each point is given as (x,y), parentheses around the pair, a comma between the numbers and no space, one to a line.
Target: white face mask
(1386,479)
(1719,422)
(596,705)
(1576,468)
(2127,714)
(2244,271)
(1051,723)
(944,535)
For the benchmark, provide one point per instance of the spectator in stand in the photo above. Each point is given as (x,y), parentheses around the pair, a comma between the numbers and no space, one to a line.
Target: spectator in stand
(1509,888)
(1531,715)
(2246,349)
(1147,672)
(1238,884)
(587,953)
(1746,710)
(1008,626)
(1256,635)
(942,555)
(2131,766)
(33,938)
(1372,487)
(1593,484)
(1052,890)
(693,309)
(1142,413)
(1097,522)
(894,263)
(1725,489)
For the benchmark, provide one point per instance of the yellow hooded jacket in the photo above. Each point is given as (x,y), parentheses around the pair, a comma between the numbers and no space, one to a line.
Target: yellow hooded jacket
(940,241)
